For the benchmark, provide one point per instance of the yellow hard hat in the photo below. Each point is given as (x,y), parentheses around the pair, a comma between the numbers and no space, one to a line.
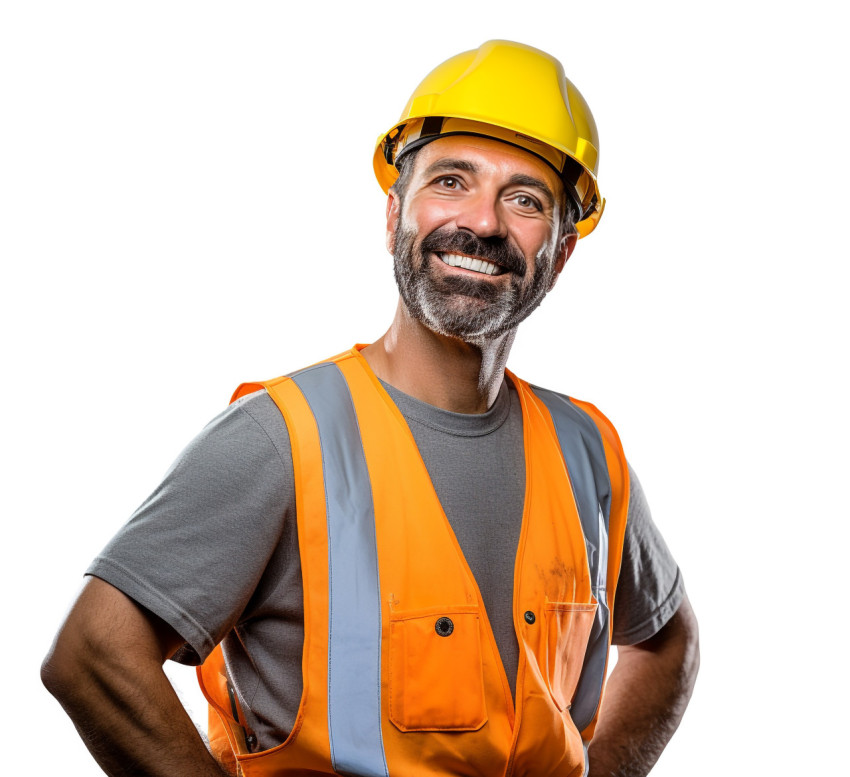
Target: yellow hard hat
(510,92)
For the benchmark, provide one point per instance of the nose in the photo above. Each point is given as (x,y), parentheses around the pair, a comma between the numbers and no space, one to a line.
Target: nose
(482,214)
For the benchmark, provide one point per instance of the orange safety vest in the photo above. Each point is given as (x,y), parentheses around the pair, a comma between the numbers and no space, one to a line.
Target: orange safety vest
(401,671)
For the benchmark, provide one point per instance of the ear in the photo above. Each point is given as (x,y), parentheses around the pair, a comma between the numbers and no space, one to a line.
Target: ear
(393,212)
(566,247)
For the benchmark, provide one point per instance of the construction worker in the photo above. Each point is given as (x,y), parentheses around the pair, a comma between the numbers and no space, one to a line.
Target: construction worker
(404,559)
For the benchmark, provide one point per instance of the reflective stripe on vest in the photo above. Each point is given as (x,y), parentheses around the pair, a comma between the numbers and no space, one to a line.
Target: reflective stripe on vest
(354,649)
(355,717)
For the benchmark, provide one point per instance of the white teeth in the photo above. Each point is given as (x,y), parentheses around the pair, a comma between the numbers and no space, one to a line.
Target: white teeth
(468,263)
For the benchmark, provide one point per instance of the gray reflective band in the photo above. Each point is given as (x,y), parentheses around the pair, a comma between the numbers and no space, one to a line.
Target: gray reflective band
(584,454)
(354,627)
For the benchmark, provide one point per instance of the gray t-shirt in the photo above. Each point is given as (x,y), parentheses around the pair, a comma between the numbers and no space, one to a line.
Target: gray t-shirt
(214,550)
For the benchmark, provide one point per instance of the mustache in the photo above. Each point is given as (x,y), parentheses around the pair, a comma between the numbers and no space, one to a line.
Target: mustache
(497,250)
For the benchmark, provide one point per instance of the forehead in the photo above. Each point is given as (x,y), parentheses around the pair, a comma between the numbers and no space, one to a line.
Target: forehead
(489,157)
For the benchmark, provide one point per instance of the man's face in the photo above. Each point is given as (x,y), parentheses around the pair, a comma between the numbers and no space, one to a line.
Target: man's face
(475,241)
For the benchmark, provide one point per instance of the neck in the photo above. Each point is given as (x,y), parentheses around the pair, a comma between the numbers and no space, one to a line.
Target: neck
(442,371)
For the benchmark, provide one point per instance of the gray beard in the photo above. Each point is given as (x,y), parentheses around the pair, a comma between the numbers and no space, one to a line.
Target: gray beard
(463,307)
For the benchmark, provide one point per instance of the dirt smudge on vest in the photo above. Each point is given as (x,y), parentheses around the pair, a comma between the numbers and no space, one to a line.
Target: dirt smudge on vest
(559,581)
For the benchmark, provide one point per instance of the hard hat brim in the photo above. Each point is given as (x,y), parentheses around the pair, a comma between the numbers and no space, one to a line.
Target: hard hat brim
(407,136)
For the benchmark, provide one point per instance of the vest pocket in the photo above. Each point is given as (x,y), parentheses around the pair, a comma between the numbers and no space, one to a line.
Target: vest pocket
(568,627)
(436,678)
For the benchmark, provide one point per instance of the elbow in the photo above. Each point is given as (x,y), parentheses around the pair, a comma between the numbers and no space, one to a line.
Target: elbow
(105,642)
(54,679)
(49,675)
(78,661)
(63,669)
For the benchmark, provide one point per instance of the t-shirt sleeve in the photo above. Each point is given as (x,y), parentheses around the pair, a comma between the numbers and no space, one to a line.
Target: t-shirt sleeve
(650,588)
(196,550)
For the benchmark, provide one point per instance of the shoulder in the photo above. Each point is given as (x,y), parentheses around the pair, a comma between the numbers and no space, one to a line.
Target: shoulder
(586,435)
(568,411)
(253,413)
(243,446)
(594,459)
(248,439)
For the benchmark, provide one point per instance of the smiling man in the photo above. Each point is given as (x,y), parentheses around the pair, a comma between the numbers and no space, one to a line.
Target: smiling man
(404,560)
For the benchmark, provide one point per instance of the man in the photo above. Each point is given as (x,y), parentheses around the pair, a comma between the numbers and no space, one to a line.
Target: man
(409,556)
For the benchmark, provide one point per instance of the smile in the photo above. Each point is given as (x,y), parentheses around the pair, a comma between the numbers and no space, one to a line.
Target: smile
(471,263)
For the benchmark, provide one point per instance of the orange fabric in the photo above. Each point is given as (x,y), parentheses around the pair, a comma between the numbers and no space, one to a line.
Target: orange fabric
(446,703)
(223,741)
(618,472)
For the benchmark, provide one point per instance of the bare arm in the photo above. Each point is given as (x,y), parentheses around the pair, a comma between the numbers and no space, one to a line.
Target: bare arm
(105,668)
(646,698)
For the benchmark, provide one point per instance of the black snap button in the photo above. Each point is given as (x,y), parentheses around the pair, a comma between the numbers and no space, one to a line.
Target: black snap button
(529,617)
(252,741)
(444,626)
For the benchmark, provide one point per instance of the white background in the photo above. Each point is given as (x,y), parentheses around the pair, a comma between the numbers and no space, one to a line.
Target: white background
(187,202)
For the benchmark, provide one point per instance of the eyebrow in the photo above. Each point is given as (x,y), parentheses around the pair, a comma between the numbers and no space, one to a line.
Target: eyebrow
(518,179)
(442,165)
(521,179)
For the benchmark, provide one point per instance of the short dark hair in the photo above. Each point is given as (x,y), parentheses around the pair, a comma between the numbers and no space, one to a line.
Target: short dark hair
(407,163)
(405,167)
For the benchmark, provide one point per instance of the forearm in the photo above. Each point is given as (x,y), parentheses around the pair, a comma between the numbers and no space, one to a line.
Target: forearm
(126,711)
(645,699)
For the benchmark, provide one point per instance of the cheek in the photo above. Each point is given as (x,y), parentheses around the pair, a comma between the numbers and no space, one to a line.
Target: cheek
(426,216)
(539,243)
(407,221)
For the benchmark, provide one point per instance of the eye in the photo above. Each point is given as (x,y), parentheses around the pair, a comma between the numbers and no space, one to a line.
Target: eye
(527,202)
(448,182)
